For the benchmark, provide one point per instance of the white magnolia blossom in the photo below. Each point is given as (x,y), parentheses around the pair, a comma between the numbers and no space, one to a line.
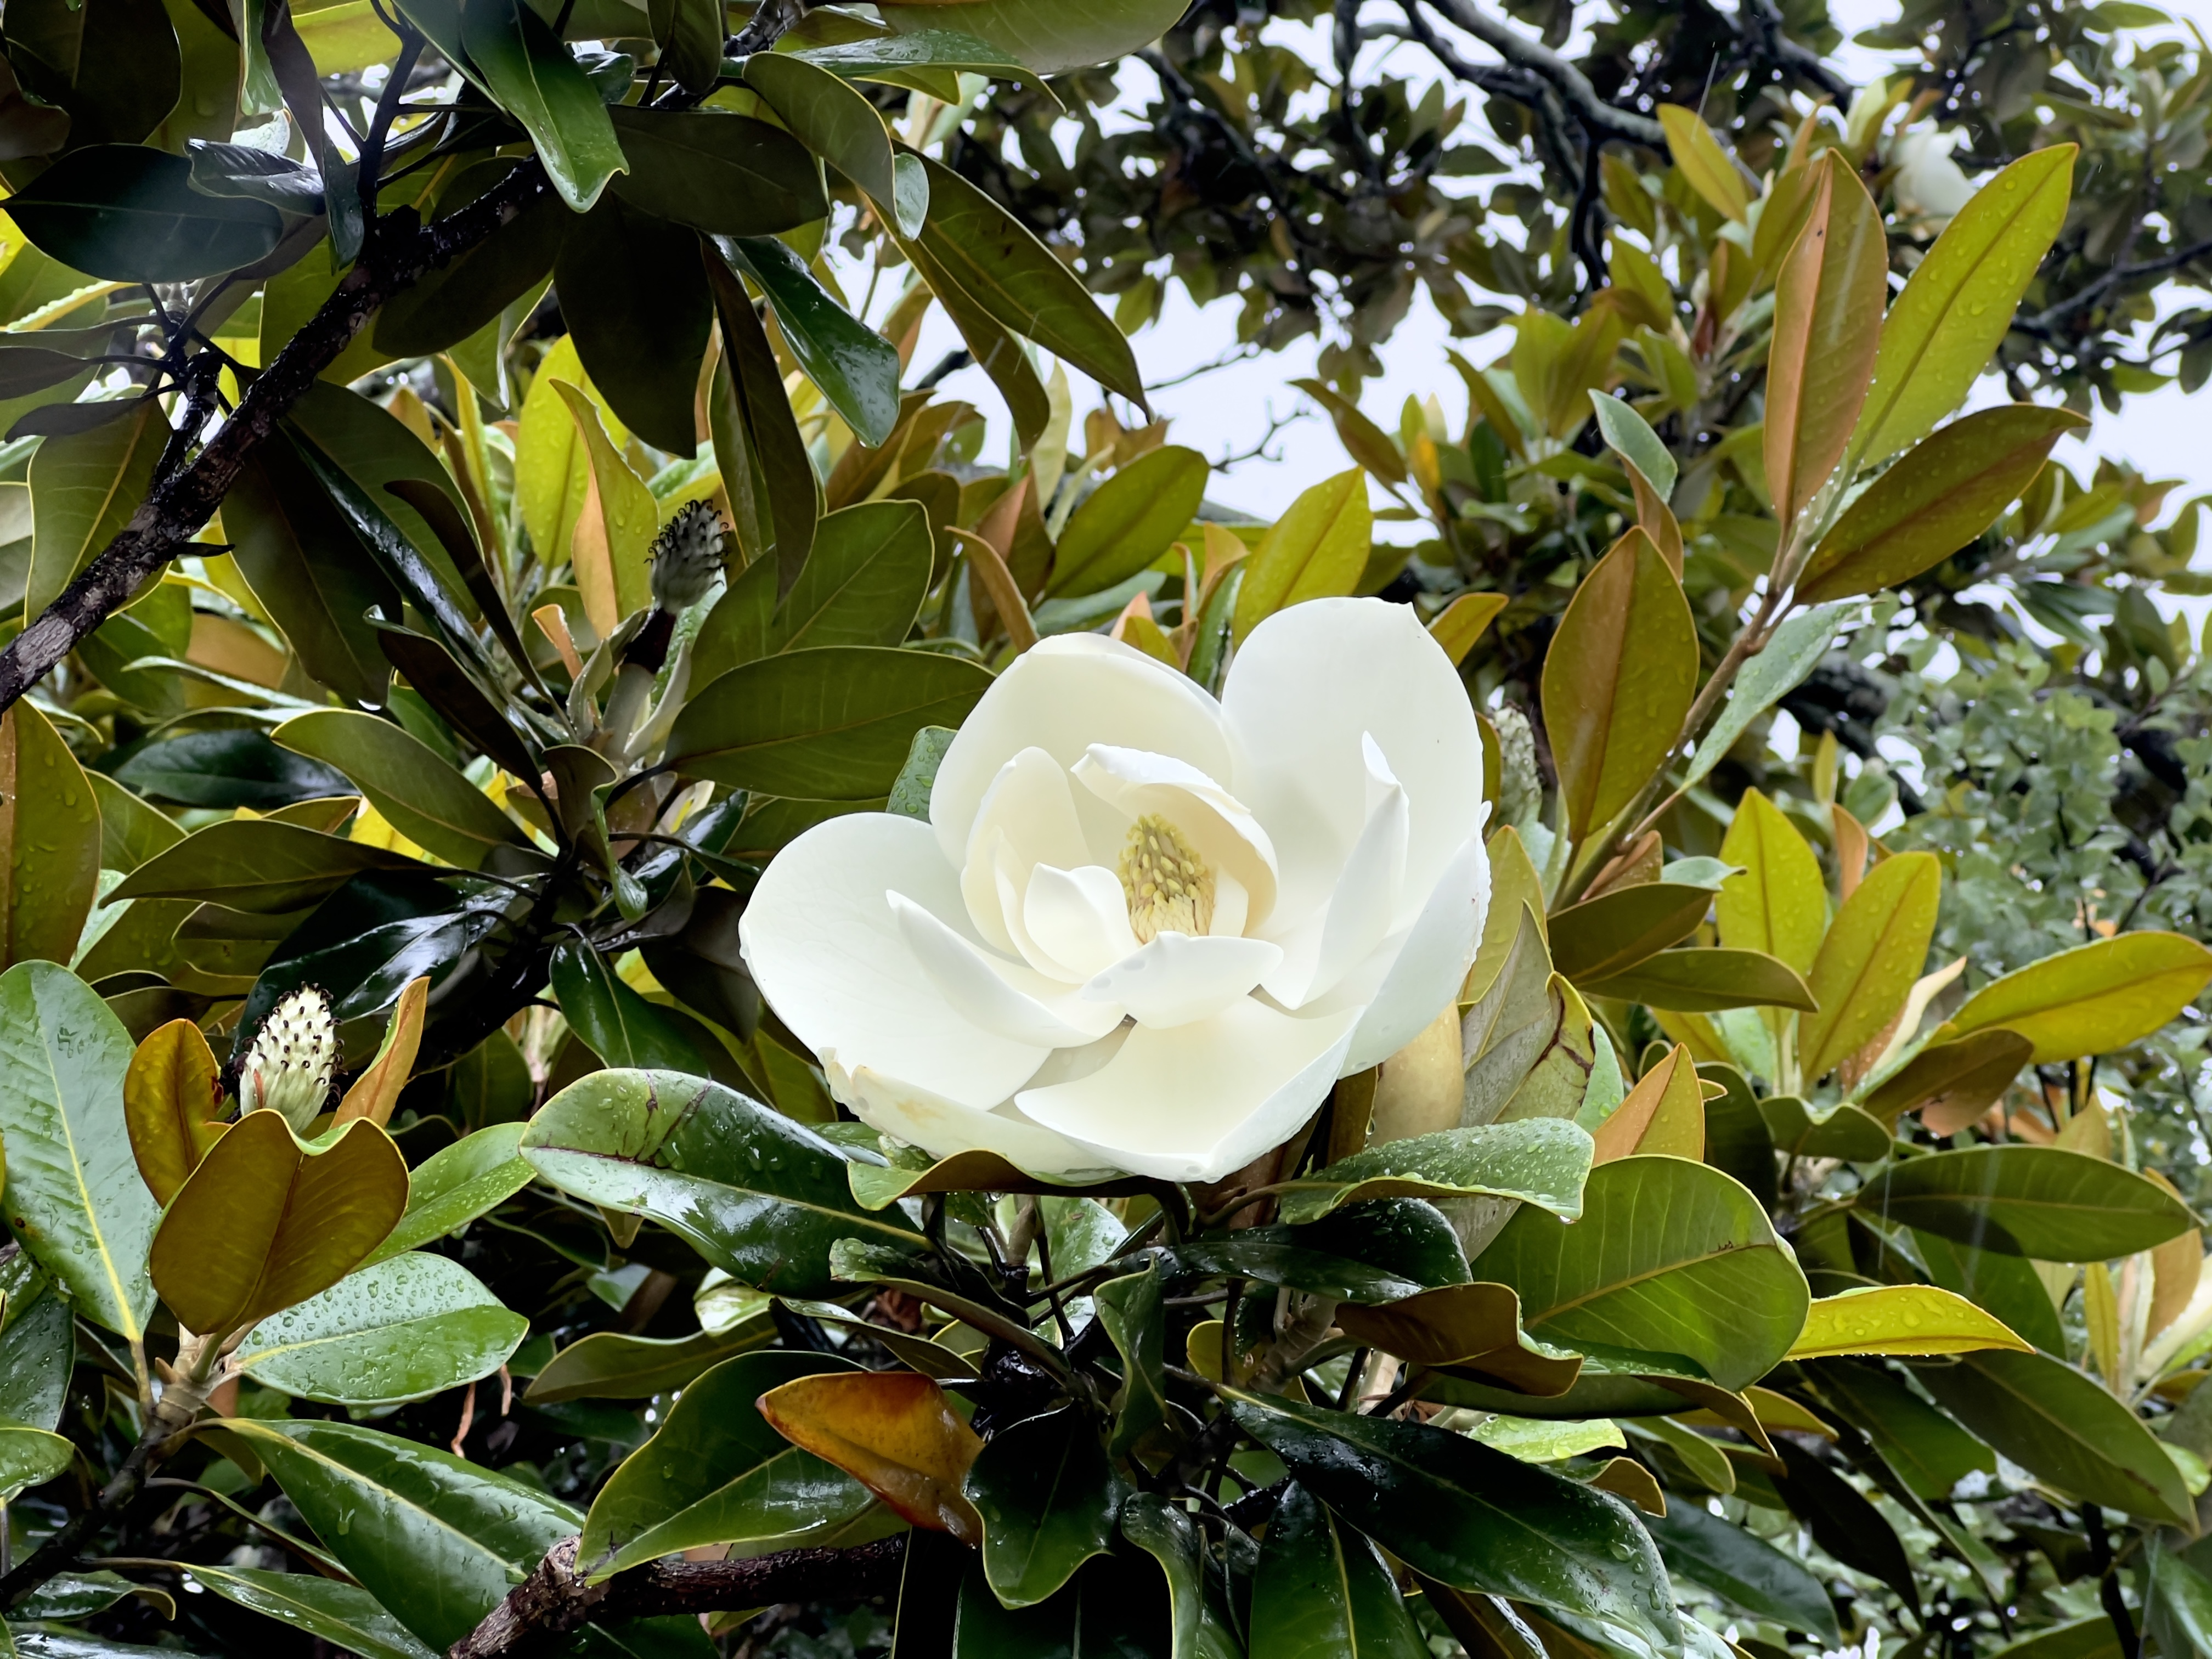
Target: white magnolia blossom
(1143,930)
(1928,183)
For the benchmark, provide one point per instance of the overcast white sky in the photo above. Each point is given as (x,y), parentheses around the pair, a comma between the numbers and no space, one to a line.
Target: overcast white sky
(1225,412)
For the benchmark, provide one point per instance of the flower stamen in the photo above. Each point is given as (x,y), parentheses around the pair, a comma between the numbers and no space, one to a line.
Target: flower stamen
(1170,887)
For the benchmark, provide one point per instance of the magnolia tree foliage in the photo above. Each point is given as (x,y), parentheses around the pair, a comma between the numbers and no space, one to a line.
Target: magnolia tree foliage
(638,990)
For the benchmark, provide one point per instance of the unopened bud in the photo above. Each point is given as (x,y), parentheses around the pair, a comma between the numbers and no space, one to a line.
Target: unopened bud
(294,1056)
(686,556)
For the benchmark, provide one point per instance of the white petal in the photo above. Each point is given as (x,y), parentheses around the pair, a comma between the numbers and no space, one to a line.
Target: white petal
(1016,1002)
(1192,1102)
(1061,695)
(1135,782)
(1027,817)
(827,953)
(1079,918)
(1176,979)
(941,1127)
(1327,947)
(1432,964)
(1232,906)
(1306,687)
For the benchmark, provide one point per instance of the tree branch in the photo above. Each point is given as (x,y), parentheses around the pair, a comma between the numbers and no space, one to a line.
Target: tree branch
(179,505)
(555,1602)
(1572,85)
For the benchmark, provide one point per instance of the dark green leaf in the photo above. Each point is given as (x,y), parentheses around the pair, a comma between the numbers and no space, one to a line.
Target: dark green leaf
(727,175)
(248,174)
(1844,1522)
(1047,1497)
(1321,1591)
(131,215)
(1748,1573)
(450,303)
(760,1196)
(455,1185)
(112,66)
(2039,1201)
(260,865)
(829,723)
(1131,1311)
(1474,1518)
(536,81)
(856,368)
(1539,1161)
(344,1615)
(37,1345)
(422,796)
(773,497)
(1129,521)
(862,584)
(237,767)
(1930,1453)
(642,355)
(609,1365)
(2007,1285)
(1611,933)
(617,1024)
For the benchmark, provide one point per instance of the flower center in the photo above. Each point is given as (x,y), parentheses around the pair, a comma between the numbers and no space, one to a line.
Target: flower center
(1170,890)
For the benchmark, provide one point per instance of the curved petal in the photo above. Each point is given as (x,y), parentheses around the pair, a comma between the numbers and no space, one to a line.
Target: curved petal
(1432,962)
(1027,817)
(1079,918)
(1328,947)
(827,953)
(1192,1102)
(1307,684)
(941,1127)
(1061,695)
(1016,1002)
(1175,978)
(1135,782)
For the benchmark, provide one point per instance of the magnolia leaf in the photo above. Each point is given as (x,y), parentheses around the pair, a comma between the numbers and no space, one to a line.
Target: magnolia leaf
(892,1432)
(2094,998)
(1899,1319)
(1874,951)
(170,1096)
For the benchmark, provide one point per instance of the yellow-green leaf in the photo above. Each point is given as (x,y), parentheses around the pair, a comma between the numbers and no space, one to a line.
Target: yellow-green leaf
(1828,324)
(893,1432)
(1665,1112)
(1951,1084)
(1955,311)
(1617,680)
(170,1096)
(1935,501)
(1875,950)
(1779,903)
(1899,1319)
(376,1090)
(552,473)
(84,488)
(612,546)
(1363,440)
(1701,159)
(1460,622)
(267,1221)
(2094,998)
(49,841)
(1316,551)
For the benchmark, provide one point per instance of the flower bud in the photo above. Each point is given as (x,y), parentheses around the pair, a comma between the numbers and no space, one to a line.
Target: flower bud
(1520,789)
(294,1054)
(686,556)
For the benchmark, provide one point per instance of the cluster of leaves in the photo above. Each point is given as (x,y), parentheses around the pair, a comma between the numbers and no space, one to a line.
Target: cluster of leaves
(1712,1274)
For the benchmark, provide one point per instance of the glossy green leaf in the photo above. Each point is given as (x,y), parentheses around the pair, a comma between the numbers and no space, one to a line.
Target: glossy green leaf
(1048,1497)
(1129,521)
(1935,501)
(990,338)
(2094,998)
(267,1221)
(1930,1453)
(1379,1250)
(1875,950)
(1540,1161)
(1457,1511)
(1050,37)
(610,1365)
(834,723)
(1609,934)
(727,175)
(1843,1132)
(129,214)
(455,1185)
(1617,680)
(1132,1311)
(1780,666)
(344,1615)
(1899,1319)
(422,796)
(537,80)
(1630,437)
(829,117)
(774,496)
(37,1345)
(617,1024)
(2007,1285)
(1475,1329)
(436,1540)
(1828,298)
(49,840)
(1955,309)
(760,1196)
(2061,1427)
(403,1328)
(862,584)
(1321,1590)
(856,368)
(644,359)
(258,865)
(84,488)
(30,1457)
(1316,550)
(2179,1610)
(74,1200)
(1006,271)
(2043,1202)
(1699,981)
(1748,1573)
(474,298)
(1669,1257)
(1844,1521)
(1172,1537)
(921,57)
(716,1473)
(1778,903)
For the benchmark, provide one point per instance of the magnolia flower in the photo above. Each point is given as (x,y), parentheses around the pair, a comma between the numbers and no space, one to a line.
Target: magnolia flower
(1143,930)
(1928,183)
(294,1053)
